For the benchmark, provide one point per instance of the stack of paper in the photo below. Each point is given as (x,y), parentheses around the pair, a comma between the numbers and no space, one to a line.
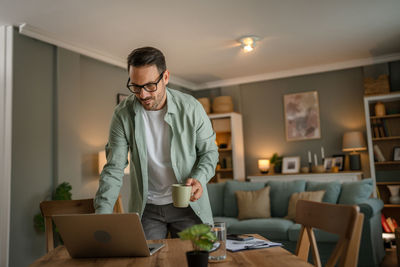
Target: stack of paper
(233,245)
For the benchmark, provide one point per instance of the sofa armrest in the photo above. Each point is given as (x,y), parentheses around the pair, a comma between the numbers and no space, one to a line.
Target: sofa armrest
(370,207)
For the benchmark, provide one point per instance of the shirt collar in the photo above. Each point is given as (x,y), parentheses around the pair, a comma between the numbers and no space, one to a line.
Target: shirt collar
(171,106)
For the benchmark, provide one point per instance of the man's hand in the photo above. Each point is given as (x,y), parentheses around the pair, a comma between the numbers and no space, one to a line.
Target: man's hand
(197,189)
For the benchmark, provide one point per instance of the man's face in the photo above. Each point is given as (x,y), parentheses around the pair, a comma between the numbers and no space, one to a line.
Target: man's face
(149,74)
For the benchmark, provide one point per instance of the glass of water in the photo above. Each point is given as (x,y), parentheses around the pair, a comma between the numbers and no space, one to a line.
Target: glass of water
(218,252)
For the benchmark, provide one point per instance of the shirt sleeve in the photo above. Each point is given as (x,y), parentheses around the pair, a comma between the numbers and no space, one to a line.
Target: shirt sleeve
(206,149)
(113,172)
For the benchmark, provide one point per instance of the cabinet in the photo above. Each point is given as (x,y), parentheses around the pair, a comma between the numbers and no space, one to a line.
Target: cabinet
(383,134)
(229,139)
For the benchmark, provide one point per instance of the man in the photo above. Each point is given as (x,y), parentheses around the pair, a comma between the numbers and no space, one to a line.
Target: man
(170,140)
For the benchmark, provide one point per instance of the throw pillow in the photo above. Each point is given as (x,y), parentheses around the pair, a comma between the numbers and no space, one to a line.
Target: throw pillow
(332,190)
(356,192)
(313,196)
(230,203)
(253,204)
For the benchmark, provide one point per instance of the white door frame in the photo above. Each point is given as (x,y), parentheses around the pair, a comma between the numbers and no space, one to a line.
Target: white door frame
(6,51)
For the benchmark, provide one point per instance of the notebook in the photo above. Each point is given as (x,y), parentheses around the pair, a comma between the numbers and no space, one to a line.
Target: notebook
(104,235)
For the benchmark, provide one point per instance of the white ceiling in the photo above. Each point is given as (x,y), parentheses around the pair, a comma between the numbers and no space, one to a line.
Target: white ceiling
(198,36)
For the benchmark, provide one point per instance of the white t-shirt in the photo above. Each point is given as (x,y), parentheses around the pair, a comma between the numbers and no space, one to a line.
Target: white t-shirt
(161,174)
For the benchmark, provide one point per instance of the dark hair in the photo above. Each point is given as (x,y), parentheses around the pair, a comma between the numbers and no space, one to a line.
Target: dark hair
(147,56)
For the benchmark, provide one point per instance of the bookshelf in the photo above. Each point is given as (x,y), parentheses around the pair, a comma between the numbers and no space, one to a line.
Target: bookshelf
(383,134)
(229,138)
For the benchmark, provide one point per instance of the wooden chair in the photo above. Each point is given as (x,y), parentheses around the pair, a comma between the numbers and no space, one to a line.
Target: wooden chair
(344,220)
(55,207)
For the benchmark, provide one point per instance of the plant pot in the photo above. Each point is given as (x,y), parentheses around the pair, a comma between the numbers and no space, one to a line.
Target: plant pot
(197,258)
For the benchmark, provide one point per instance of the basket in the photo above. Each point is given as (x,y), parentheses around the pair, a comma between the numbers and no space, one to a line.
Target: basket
(222,104)
(377,86)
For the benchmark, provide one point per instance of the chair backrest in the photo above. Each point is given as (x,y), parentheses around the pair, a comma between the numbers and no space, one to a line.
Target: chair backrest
(56,207)
(344,220)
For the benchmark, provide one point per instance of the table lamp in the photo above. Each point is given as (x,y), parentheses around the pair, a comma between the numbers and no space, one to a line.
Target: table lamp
(263,165)
(354,142)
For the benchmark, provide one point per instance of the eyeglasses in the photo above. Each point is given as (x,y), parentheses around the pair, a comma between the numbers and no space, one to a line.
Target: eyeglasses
(149,87)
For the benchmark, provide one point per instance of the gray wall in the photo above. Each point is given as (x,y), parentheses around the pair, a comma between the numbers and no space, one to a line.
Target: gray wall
(62,106)
(32,146)
(261,104)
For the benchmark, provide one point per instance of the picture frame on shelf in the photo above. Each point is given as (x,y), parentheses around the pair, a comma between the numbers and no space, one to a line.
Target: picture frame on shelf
(339,161)
(291,165)
(396,153)
(121,97)
(302,119)
(329,163)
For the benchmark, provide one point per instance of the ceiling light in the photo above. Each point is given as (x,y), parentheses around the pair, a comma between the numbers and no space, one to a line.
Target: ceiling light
(248,42)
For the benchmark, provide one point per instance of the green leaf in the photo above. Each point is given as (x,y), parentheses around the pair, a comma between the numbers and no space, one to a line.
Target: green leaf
(38,221)
(200,235)
(199,229)
(204,244)
(211,236)
(63,192)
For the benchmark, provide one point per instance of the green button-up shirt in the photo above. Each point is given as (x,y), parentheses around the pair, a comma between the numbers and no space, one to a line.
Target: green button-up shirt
(193,152)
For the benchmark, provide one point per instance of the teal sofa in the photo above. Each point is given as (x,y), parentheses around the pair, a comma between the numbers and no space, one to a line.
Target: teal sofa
(278,229)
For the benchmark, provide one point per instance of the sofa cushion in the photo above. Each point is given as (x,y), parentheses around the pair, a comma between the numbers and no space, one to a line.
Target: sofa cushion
(332,190)
(312,195)
(321,236)
(216,196)
(272,228)
(227,220)
(280,194)
(356,192)
(230,203)
(253,204)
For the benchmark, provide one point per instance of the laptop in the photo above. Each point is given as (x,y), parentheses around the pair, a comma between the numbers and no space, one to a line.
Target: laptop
(104,235)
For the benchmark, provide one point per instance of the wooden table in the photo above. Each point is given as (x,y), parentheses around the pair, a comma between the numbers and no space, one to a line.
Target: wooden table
(173,254)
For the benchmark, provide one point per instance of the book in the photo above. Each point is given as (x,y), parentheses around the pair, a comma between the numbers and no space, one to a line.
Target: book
(378,154)
(378,194)
(384,224)
(381,129)
(390,224)
(387,129)
(395,223)
(375,128)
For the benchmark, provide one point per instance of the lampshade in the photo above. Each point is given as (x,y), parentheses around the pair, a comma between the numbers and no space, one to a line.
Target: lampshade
(103,161)
(263,165)
(354,141)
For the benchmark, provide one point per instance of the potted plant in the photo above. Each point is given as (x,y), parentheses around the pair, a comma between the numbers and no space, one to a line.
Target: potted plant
(275,164)
(202,240)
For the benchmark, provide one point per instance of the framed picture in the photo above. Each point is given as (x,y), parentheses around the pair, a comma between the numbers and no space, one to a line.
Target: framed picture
(329,163)
(121,97)
(291,165)
(302,116)
(396,153)
(339,161)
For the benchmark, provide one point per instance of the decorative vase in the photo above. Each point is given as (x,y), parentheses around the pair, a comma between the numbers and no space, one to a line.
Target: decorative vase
(380,109)
(318,169)
(394,194)
(197,258)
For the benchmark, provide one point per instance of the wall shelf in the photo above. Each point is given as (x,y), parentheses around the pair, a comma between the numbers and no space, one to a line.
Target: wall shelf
(387,163)
(386,138)
(391,116)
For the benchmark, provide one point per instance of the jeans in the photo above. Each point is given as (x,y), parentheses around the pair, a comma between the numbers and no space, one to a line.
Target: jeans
(158,220)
